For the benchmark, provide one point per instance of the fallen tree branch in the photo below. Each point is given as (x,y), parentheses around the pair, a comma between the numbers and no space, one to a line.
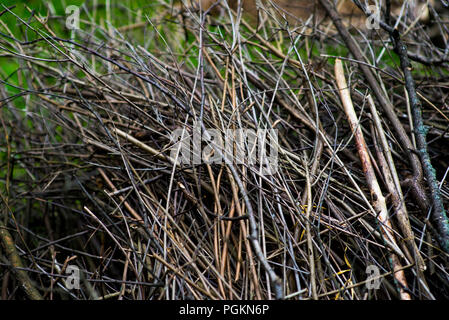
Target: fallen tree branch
(392,182)
(377,197)
(439,217)
(16,264)
(416,182)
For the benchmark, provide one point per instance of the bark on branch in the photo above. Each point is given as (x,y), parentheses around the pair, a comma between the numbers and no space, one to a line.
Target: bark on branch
(378,200)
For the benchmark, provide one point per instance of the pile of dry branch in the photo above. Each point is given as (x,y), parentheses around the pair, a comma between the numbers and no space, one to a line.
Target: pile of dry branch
(355,209)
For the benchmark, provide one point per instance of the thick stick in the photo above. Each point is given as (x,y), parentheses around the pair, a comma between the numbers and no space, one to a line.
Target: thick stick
(392,182)
(416,182)
(377,197)
(439,217)
(16,264)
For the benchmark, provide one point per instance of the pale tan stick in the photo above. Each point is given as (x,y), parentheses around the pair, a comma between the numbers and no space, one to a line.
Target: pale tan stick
(125,272)
(394,187)
(122,198)
(402,216)
(309,235)
(377,197)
